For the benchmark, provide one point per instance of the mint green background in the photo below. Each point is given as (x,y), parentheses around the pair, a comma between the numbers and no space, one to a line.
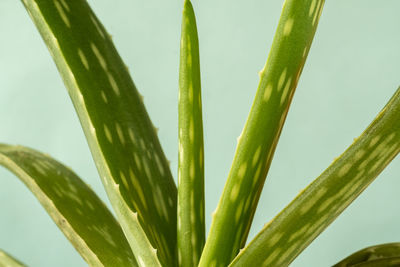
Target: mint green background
(352,70)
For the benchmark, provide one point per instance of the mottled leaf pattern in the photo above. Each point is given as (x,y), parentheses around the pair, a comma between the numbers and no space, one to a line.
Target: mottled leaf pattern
(136,174)
(73,206)
(6,260)
(191,226)
(372,255)
(256,145)
(122,139)
(293,229)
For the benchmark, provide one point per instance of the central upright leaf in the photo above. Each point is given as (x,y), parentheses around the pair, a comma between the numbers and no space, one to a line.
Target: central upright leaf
(121,136)
(191,226)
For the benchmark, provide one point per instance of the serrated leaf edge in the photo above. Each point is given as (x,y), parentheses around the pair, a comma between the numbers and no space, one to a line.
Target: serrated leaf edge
(136,236)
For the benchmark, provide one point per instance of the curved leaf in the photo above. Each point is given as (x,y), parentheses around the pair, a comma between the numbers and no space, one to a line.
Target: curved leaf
(295,227)
(256,145)
(372,254)
(386,262)
(74,207)
(122,139)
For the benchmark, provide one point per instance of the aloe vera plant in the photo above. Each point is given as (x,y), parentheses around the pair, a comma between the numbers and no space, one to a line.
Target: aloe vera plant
(158,223)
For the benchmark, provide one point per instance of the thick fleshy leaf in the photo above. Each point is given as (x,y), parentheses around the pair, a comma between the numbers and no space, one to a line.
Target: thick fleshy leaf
(256,145)
(74,207)
(122,139)
(294,228)
(386,262)
(6,260)
(191,226)
(371,255)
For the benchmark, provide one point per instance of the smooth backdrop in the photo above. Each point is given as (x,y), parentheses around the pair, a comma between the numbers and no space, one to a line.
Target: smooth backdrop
(352,70)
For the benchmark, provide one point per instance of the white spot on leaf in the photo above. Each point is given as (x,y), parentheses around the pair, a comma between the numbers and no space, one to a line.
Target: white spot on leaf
(62,14)
(286,90)
(120,133)
(312,7)
(113,83)
(99,56)
(108,133)
(282,79)
(96,24)
(287,28)
(267,92)
(104,96)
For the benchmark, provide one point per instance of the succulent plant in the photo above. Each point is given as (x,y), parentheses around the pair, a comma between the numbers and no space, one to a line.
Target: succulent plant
(159,223)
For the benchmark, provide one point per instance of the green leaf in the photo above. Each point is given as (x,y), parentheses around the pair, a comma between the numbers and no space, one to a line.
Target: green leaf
(257,143)
(371,255)
(6,260)
(191,226)
(74,207)
(122,139)
(386,262)
(294,228)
